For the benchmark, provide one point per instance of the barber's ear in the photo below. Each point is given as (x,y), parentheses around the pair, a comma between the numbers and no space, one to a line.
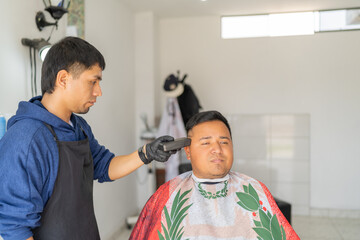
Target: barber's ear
(62,79)
(187,151)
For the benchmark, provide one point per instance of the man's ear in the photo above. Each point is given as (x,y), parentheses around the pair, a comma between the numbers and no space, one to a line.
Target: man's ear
(62,79)
(187,152)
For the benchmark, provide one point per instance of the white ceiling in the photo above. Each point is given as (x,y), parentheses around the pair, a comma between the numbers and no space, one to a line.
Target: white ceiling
(188,8)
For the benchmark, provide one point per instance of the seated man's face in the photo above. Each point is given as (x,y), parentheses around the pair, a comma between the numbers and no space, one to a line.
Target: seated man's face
(211,150)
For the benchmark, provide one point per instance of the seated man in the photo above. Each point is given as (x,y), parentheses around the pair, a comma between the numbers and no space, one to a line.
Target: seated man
(211,202)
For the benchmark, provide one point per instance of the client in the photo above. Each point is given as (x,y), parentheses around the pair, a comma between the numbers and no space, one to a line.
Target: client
(211,202)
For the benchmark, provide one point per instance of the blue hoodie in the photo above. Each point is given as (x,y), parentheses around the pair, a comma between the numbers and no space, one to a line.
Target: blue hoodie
(29,162)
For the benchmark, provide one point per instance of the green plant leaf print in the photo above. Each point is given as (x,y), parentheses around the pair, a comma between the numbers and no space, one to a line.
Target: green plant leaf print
(275,228)
(283,234)
(246,189)
(265,220)
(248,201)
(263,233)
(268,228)
(175,218)
(257,223)
(253,193)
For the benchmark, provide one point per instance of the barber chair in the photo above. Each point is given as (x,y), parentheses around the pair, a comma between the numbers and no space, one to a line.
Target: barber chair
(285,208)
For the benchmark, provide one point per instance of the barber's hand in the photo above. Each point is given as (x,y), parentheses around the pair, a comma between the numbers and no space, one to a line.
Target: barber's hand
(154,150)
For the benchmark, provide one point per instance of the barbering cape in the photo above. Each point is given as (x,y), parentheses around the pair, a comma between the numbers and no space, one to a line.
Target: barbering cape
(234,207)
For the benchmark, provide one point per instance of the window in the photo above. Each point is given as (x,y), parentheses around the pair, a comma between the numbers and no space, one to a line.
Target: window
(338,20)
(289,24)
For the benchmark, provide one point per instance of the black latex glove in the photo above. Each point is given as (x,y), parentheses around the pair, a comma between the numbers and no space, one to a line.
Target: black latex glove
(154,150)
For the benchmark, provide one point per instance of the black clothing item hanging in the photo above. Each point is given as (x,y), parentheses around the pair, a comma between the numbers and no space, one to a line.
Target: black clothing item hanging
(188,102)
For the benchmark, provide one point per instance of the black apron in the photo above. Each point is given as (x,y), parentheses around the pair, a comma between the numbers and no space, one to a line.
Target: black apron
(69,213)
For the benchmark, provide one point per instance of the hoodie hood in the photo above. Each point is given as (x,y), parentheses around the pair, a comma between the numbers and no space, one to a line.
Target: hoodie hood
(33,109)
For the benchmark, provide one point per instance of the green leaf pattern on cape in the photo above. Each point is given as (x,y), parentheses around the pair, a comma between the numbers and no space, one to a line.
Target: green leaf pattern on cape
(268,227)
(175,218)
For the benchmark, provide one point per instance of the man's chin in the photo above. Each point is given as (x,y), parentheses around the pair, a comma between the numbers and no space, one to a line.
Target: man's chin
(83,111)
(219,174)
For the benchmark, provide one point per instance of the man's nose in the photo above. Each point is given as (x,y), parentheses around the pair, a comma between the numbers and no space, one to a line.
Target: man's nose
(216,147)
(97,91)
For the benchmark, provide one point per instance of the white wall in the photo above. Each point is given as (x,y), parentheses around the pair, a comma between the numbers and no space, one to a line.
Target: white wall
(17,20)
(109,26)
(144,40)
(275,149)
(316,75)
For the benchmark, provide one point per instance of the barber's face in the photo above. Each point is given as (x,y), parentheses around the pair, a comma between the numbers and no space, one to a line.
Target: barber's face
(211,150)
(84,89)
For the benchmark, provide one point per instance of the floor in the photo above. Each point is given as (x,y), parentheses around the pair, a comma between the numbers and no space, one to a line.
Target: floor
(314,228)
(320,228)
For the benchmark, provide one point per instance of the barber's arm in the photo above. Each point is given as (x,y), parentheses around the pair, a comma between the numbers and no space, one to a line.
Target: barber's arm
(121,166)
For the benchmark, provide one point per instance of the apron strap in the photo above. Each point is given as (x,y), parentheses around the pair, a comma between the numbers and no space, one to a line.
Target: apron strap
(52,131)
(54,134)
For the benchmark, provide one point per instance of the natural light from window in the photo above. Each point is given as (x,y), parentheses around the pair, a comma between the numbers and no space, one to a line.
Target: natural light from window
(289,24)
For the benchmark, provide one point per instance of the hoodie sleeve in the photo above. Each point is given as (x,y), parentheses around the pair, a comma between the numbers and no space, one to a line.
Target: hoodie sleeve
(101,155)
(26,172)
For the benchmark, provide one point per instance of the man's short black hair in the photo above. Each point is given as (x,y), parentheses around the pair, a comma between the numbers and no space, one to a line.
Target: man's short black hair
(206,116)
(72,54)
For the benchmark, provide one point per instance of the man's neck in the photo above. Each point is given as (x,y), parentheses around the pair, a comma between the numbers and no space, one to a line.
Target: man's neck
(55,105)
(217,179)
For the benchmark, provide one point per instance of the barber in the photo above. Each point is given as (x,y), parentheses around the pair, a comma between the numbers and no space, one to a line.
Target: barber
(49,156)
